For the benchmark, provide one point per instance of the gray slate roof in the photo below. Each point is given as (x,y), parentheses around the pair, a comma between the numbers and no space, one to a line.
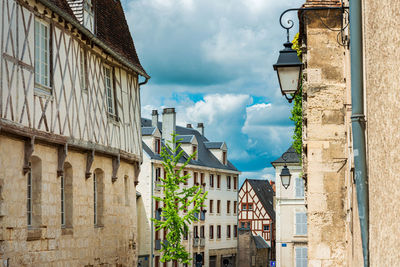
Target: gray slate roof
(205,157)
(148,130)
(265,193)
(292,157)
(213,145)
(185,138)
(260,242)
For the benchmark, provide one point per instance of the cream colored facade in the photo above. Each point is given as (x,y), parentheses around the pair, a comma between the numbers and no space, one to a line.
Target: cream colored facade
(334,229)
(215,249)
(68,168)
(289,211)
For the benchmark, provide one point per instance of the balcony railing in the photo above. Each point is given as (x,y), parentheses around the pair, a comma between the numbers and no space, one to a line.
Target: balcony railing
(158,187)
(203,215)
(196,242)
(158,244)
(202,242)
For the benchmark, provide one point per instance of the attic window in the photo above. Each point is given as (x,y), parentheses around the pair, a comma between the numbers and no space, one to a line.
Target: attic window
(224,157)
(194,151)
(88,15)
(157,146)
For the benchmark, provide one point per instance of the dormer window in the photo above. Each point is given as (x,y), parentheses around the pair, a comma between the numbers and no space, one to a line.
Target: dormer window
(224,161)
(157,146)
(88,15)
(194,151)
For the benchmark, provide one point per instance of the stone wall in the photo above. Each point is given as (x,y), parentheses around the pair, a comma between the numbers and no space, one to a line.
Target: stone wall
(325,140)
(382,94)
(49,244)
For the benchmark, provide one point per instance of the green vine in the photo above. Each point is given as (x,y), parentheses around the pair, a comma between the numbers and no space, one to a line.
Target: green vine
(297,110)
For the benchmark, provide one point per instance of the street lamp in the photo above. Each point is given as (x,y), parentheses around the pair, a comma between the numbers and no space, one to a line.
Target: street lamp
(285,173)
(288,67)
(285,177)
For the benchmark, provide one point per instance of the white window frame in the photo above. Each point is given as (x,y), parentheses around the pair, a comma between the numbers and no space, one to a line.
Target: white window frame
(42,50)
(300,223)
(29,199)
(301,256)
(299,187)
(88,15)
(95,219)
(109,90)
(62,185)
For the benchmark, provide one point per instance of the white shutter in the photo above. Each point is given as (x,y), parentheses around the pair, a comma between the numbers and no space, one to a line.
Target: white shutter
(301,223)
(301,257)
(299,187)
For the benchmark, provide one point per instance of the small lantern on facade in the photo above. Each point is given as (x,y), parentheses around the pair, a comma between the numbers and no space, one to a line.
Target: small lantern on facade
(285,177)
(288,68)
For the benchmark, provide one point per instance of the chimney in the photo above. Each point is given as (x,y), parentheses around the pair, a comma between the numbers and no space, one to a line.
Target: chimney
(168,125)
(188,125)
(200,128)
(154,118)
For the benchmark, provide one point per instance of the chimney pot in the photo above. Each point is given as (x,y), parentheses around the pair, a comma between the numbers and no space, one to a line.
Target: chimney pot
(188,125)
(154,118)
(168,125)
(200,127)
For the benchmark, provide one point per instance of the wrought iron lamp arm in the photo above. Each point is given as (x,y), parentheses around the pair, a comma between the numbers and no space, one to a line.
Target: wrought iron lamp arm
(290,22)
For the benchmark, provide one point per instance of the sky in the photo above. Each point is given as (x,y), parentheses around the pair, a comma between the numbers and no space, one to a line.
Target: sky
(212,61)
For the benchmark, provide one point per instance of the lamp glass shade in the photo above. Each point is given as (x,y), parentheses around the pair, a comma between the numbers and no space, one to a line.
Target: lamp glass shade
(289,78)
(285,177)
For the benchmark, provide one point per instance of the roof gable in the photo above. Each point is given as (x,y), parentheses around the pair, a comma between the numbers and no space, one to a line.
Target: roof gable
(265,194)
(291,157)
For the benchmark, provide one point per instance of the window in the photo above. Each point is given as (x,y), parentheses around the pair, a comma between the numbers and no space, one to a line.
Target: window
(211,180)
(301,257)
(185,235)
(211,206)
(42,55)
(218,206)
(228,182)
(250,206)
(88,15)
(224,157)
(211,232)
(218,181)
(202,231)
(195,178)
(235,183)
(126,189)
(202,179)
(184,174)
(243,224)
(194,151)
(228,231)
(301,223)
(228,206)
(34,189)
(109,85)
(66,196)
(299,187)
(235,231)
(98,198)
(195,231)
(266,227)
(83,66)
(244,206)
(234,207)
(157,145)
(218,231)
(158,174)
(157,261)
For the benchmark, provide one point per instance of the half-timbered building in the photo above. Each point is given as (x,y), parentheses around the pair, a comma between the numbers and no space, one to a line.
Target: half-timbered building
(214,235)
(70,141)
(256,211)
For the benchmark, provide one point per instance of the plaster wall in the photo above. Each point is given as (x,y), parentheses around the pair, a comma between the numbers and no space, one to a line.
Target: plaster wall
(382,80)
(114,243)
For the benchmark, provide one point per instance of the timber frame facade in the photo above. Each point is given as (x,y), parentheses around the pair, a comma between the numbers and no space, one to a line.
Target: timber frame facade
(85,117)
(256,211)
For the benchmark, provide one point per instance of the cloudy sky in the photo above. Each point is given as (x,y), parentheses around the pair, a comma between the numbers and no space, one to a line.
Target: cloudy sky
(212,61)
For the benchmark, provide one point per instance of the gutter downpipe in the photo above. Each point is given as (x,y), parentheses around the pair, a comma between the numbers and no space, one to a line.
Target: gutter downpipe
(358,123)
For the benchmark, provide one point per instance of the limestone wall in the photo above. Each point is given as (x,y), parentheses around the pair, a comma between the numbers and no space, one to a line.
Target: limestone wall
(113,243)
(382,94)
(325,140)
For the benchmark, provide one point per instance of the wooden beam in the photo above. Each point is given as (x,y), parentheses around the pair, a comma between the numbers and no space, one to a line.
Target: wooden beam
(28,151)
(89,162)
(115,166)
(62,155)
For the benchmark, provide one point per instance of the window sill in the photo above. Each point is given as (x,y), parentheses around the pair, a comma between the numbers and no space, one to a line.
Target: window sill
(67,231)
(42,92)
(111,118)
(34,234)
(98,226)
